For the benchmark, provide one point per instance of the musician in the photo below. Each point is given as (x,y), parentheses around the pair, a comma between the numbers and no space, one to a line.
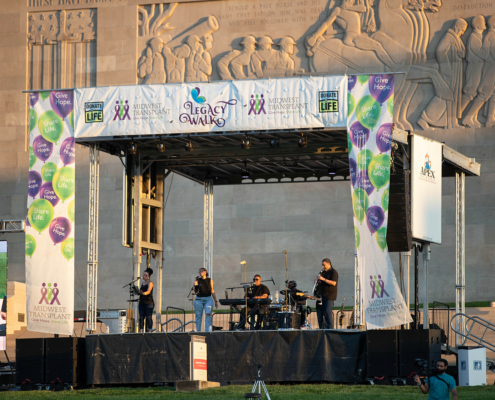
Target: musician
(297,298)
(329,279)
(146,303)
(205,294)
(259,291)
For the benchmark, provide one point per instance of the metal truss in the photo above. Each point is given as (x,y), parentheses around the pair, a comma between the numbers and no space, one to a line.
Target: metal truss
(12,226)
(460,255)
(208,227)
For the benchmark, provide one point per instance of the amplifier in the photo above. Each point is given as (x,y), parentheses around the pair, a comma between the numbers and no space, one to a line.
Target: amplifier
(30,360)
(122,321)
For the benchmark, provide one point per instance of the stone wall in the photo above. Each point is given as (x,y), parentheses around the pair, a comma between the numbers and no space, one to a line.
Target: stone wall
(445,93)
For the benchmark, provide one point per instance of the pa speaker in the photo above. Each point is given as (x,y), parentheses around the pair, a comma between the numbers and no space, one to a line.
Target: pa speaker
(66,360)
(424,344)
(399,231)
(382,352)
(30,360)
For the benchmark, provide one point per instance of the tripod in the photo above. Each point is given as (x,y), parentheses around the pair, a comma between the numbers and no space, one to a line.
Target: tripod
(260,384)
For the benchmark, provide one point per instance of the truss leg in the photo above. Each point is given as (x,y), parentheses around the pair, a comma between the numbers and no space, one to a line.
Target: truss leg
(92,278)
(460,260)
(426,259)
(358,294)
(208,227)
(160,185)
(136,240)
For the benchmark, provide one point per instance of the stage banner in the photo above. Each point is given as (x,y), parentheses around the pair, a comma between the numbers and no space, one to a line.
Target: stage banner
(369,126)
(50,214)
(246,105)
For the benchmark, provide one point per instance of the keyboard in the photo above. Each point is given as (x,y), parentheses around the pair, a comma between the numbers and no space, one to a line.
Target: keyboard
(242,302)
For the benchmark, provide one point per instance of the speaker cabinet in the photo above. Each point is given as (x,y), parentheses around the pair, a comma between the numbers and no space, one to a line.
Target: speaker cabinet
(382,351)
(399,231)
(66,360)
(30,360)
(415,344)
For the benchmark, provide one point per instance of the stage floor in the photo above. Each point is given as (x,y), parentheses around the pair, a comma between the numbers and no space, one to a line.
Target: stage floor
(286,356)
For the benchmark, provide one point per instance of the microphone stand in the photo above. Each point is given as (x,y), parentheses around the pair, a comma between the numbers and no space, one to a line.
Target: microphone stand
(286,280)
(130,321)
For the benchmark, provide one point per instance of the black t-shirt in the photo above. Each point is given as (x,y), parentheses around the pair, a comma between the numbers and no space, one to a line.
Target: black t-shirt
(329,292)
(204,287)
(146,298)
(259,291)
(294,298)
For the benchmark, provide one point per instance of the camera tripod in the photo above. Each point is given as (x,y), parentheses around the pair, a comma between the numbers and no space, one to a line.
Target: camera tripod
(260,384)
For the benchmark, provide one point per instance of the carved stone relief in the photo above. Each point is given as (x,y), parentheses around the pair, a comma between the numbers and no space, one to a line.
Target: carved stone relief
(62,49)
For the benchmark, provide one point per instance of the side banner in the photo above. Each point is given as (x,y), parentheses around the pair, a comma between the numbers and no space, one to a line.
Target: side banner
(369,127)
(285,103)
(50,215)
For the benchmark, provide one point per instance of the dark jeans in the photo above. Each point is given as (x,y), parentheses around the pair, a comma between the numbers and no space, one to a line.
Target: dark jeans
(146,310)
(327,310)
(320,316)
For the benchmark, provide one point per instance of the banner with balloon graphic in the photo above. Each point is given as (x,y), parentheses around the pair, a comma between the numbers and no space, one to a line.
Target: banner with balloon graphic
(50,213)
(370,103)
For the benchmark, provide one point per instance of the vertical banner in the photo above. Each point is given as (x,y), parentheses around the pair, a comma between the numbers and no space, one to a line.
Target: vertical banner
(3,295)
(50,214)
(369,126)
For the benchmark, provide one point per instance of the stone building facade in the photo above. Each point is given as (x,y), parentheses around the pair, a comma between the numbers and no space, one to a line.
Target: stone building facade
(444,52)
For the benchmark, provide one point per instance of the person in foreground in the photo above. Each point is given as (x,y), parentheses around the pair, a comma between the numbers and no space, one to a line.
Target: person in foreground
(146,303)
(438,385)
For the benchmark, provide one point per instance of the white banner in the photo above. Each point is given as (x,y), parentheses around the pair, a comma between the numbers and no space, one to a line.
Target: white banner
(50,216)
(426,178)
(246,105)
(369,126)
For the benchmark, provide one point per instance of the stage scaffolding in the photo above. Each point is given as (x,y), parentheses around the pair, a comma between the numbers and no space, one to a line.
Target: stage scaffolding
(220,159)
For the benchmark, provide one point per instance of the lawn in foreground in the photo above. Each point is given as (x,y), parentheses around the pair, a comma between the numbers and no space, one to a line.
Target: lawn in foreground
(277,392)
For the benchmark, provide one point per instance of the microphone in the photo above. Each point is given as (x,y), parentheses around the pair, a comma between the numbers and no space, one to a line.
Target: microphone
(243,262)
(273,280)
(285,251)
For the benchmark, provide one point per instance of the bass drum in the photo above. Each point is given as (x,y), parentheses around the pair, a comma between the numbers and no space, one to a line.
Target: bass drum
(288,320)
(270,323)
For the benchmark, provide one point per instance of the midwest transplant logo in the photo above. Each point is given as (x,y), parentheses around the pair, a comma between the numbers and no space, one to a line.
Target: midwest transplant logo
(377,287)
(121,110)
(256,105)
(203,113)
(49,294)
(427,173)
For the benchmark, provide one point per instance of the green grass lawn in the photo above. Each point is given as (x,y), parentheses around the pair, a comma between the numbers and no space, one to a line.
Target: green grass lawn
(277,392)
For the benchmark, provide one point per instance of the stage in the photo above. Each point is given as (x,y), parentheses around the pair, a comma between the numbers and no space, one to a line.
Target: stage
(287,356)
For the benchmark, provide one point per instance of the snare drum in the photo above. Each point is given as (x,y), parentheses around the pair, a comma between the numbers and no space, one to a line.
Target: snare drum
(289,320)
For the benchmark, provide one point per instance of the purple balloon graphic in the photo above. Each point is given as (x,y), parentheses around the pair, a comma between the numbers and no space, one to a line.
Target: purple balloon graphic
(62,102)
(67,151)
(33,98)
(27,219)
(381,87)
(48,193)
(359,134)
(42,148)
(384,138)
(353,171)
(363,181)
(351,82)
(374,218)
(59,229)
(34,183)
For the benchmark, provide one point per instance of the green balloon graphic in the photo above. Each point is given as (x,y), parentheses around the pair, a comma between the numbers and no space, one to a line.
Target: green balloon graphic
(33,118)
(64,183)
(379,171)
(44,95)
(385,200)
(390,106)
(362,79)
(351,104)
(357,235)
(51,126)
(71,119)
(32,157)
(67,248)
(71,210)
(368,112)
(349,143)
(381,238)
(47,171)
(364,158)
(360,203)
(40,214)
(30,245)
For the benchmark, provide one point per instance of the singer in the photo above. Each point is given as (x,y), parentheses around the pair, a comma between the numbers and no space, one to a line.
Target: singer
(146,303)
(259,291)
(328,283)
(205,294)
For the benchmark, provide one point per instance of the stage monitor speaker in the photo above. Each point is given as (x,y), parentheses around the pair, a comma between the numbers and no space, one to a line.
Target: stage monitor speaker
(66,360)
(382,351)
(399,231)
(416,344)
(30,360)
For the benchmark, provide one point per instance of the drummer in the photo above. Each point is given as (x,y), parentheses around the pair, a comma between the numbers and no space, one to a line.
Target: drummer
(297,298)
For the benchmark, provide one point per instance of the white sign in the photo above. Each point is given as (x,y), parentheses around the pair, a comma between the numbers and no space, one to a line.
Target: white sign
(198,362)
(286,103)
(426,189)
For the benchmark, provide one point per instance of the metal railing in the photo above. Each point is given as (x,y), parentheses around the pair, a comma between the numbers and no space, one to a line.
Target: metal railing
(181,322)
(467,332)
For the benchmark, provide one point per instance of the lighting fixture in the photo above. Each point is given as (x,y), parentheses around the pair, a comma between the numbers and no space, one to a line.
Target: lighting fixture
(160,147)
(132,148)
(274,143)
(332,170)
(245,174)
(189,146)
(246,143)
(303,142)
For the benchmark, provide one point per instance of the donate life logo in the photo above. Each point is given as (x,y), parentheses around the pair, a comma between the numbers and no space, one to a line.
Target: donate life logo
(256,105)
(377,287)
(121,110)
(426,173)
(49,294)
(196,97)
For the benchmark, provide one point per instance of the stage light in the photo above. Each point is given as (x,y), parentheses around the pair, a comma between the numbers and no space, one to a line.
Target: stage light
(303,142)
(245,174)
(274,143)
(189,146)
(332,170)
(295,164)
(246,143)
(160,147)
(132,148)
